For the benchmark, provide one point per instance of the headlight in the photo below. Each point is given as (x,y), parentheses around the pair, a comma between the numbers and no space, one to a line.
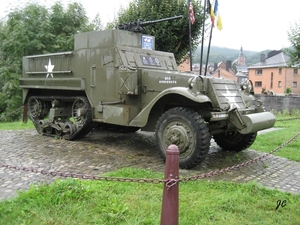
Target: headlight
(191,83)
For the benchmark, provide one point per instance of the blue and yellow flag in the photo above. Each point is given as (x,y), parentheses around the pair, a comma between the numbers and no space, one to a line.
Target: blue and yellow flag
(218,16)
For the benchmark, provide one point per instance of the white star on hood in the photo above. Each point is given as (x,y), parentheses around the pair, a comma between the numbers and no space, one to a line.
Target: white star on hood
(231,97)
(49,69)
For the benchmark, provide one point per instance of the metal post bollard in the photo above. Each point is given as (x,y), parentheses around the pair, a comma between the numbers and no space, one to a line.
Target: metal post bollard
(170,206)
(25,117)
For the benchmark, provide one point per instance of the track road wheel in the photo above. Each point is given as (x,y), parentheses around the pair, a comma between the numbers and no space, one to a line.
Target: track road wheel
(80,111)
(234,141)
(186,129)
(49,130)
(58,132)
(38,109)
(82,118)
(70,128)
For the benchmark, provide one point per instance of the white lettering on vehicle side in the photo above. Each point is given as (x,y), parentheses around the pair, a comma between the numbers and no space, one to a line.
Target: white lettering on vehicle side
(167,80)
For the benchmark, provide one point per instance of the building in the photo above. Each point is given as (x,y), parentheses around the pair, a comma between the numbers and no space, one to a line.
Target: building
(241,77)
(185,66)
(272,75)
(223,70)
(241,68)
(241,61)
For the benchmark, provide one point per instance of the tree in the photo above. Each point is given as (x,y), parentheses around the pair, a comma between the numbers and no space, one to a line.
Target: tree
(66,23)
(97,23)
(32,30)
(171,36)
(294,38)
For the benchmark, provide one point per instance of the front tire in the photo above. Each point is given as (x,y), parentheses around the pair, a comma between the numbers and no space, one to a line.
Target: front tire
(186,129)
(234,141)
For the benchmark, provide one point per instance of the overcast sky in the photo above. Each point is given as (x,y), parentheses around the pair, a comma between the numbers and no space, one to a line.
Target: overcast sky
(256,25)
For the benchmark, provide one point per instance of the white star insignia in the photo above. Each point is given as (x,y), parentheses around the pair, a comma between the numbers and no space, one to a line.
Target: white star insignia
(49,69)
(230,96)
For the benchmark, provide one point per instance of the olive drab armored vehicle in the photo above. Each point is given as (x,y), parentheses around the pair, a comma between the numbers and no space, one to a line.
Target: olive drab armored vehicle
(116,79)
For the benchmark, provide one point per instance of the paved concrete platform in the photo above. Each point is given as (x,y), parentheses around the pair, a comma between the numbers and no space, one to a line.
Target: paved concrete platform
(101,152)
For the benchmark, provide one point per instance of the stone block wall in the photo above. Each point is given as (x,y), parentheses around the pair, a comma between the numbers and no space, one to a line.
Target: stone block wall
(279,103)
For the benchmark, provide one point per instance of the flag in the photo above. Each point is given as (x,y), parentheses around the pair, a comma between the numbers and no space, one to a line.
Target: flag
(218,16)
(191,10)
(211,13)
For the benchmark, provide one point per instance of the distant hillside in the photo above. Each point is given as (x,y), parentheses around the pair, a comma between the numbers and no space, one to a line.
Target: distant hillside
(218,54)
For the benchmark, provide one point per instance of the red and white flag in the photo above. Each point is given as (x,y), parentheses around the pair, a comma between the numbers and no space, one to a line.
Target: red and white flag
(191,10)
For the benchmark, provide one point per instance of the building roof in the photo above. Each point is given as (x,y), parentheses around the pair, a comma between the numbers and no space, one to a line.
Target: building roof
(241,74)
(223,74)
(279,60)
(241,68)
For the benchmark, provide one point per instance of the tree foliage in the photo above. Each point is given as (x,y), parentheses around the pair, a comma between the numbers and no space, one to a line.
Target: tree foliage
(170,36)
(32,30)
(294,38)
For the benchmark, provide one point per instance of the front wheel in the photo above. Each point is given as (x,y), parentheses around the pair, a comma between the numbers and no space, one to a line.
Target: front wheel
(186,129)
(234,141)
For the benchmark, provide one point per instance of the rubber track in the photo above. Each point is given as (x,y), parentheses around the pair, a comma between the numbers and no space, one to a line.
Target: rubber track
(83,130)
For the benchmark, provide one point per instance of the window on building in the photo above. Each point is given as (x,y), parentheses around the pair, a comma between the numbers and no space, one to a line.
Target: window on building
(280,71)
(258,72)
(295,71)
(279,84)
(294,84)
(258,84)
(271,85)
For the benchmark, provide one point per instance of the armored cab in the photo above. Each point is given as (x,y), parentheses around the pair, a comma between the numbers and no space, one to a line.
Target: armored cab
(116,79)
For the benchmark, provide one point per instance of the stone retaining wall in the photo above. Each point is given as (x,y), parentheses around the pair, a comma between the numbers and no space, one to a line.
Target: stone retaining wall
(279,103)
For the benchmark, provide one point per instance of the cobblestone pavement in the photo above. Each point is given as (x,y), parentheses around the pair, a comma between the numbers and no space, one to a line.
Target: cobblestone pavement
(101,152)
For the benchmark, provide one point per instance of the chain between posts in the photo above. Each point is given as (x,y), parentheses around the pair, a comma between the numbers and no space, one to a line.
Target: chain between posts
(82,176)
(13,112)
(169,182)
(217,172)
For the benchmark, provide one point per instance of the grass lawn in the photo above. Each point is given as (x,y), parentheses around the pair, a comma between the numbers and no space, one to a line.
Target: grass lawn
(269,141)
(17,125)
(74,201)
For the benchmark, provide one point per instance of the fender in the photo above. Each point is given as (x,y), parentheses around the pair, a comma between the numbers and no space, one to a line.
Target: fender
(140,121)
(73,84)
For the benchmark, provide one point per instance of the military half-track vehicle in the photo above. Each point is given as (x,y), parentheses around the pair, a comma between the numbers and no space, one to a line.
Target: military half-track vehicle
(117,80)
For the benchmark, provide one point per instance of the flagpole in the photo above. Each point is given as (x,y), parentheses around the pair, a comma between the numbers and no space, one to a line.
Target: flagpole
(202,38)
(208,50)
(190,36)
